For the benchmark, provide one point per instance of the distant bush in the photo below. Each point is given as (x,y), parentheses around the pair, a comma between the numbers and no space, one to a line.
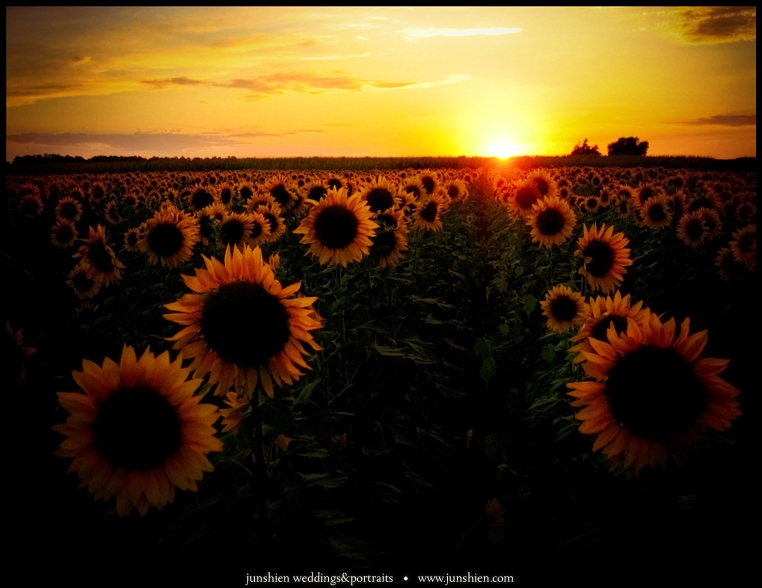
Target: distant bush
(585,149)
(628,146)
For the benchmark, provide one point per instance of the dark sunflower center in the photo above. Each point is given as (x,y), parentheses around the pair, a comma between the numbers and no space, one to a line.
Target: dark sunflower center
(64,234)
(81,282)
(453,191)
(256,230)
(201,199)
(428,184)
(379,199)
(316,193)
(137,428)
(165,239)
(694,229)
(100,257)
(746,241)
(226,195)
(644,194)
(334,183)
(429,212)
(387,220)
(563,308)
(543,187)
(68,210)
(384,243)
(414,190)
(550,221)
(232,232)
(30,206)
(246,193)
(654,392)
(602,326)
(244,324)
(526,196)
(272,220)
(602,258)
(281,194)
(336,227)
(657,213)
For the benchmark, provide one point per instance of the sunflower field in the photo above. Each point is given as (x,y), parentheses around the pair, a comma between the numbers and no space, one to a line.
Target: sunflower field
(545,373)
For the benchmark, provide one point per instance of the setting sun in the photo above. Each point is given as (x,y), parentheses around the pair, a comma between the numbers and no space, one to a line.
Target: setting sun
(503,150)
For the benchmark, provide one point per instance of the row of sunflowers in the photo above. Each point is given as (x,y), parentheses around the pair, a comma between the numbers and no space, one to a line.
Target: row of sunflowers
(326,345)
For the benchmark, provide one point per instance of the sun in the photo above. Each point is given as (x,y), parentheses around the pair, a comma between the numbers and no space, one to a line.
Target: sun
(502,149)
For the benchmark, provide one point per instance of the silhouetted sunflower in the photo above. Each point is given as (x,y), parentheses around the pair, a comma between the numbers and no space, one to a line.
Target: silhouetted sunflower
(728,266)
(552,221)
(691,228)
(523,197)
(564,309)
(655,212)
(69,208)
(63,234)
(744,246)
(138,431)
(604,257)
(104,267)
(338,229)
(235,229)
(652,394)
(241,326)
(83,285)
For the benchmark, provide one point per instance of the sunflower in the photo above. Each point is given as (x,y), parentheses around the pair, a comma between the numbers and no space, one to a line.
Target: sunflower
(235,229)
(69,209)
(275,222)
(543,181)
(104,267)
(600,315)
(14,354)
(83,285)
(456,190)
(744,246)
(390,243)
(241,326)
(169,237)
(232,416)
(713,223)
(728,266)
(31,205)
(655,212)
(428,213)
(564,308)
(64,234)
(652,394)
(111,213)
(691,228)
(138,430)
(551,221)
(132,238)
(604,257)
(495,521)
(200,199)
(380,194)
(523,197)
(282,191)
(338,229)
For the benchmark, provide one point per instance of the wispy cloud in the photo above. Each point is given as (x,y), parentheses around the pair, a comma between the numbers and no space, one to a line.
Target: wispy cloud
(727,120)
(415,33)
(718,24)
(145,144)
(182,81)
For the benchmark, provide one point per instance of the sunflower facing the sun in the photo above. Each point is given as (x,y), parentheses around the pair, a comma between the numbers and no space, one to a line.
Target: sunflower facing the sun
(651,394)
(241,326)
(138,431)
(338,229)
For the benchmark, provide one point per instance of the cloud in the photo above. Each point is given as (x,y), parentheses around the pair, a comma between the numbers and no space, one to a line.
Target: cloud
(413,33)
(282,83)
(727,120)
(717,24)
(183,81)
(144,144)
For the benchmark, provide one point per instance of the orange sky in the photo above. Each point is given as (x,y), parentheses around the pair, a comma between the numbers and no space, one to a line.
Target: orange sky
(258,82)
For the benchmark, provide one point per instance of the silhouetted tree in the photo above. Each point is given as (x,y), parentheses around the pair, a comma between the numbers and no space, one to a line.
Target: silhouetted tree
(585,149)
(628,146)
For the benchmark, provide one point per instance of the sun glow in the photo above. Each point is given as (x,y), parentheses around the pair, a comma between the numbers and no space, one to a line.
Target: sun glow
(503,149)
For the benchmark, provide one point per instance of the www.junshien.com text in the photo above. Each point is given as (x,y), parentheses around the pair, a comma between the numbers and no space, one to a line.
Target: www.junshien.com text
(318,578)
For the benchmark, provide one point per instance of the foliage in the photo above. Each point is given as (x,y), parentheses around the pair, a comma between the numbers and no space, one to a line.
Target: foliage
(628,146)
(585,149)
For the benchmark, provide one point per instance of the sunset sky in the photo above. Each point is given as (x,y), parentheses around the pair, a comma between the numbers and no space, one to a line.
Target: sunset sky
(261,82)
